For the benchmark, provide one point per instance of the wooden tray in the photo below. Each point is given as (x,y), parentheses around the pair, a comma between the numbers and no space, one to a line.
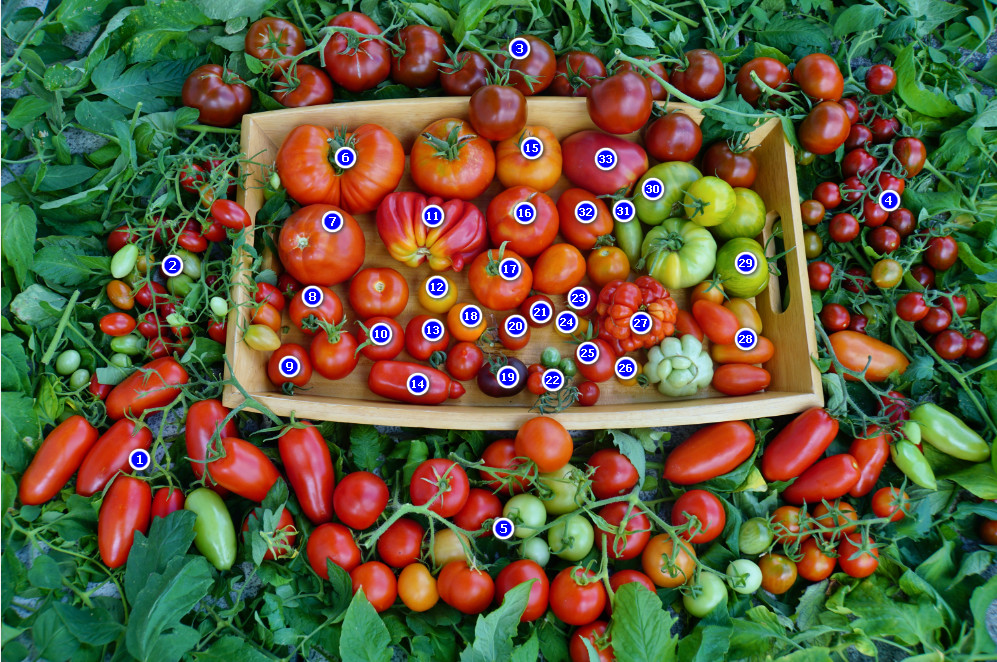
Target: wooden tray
(795,380)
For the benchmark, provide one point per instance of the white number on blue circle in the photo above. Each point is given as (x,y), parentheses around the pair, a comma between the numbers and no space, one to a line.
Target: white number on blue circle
(640,323)
(605,158)
(312,296)
(746,339)
(553,379)
(437,287)
(745,263)
(541,311)
(566,321)
(653,189)
(333,221)
(139,459)
(510,269)
(579,298)
(470,316)
(380,334)
(289,367)
(625,368)
(624,211)
(417,383)
(515,326)
(503,528)
(432,216)
(507,376)
(585,211)
(587,353)
(519,48)
(346,157)
(432,330)
(532,148)
(524,213)
(889,200)
(172,265)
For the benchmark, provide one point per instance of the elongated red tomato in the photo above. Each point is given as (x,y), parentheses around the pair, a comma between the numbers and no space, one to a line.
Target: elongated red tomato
(56,460)
(244,469)
(710,452)
(829,479)
(740,379)
(155,384)
(125,510)
(799,444)
(167,500)
(857,350)
(870,452)
(110,455)
(308,464)
(718,323)
(203,419)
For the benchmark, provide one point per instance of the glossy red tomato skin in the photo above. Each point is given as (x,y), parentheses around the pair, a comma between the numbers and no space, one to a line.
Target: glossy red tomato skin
(834,317)
(703,78)
(658,91)
(591,632)
(710,452)
(799,444)
(167,500)
(858,162)
(911,307)
(891,503)
(582,235)
(481,506)
(718,323)
(912,155)
(618,579)
(313,88)
(824,129)
(378,583)
(924,275)
(977,344)
(636,531)
(819,77)
(334,358)
(735,168)
(815,565)
(843,228)
(828,194)
(862,566)
(117,324)
(417,66)
(575,73)
(472,74)
(468,590)
(155,385)
(361,68)
(274,41)
(417,346)
(956,305)
(385,352)
(541,63)
(401,543)
(884,239)
(203,419)
(858,136)
(442,482)
(317,257)
(335,543)
(936,321)
(464,360)
(378,291)
(884,129)
(870,452)
(614,474)
(573,603)
(497,112)
(949,344)
(674,137)
(604,368)
(526,240)
(519,572)
(770,71)
(125,510)
(828,479)
(588,393)
(493,291)
(56,460)
(880,79)
(740,379)
(620,103)
(359,499)
(109,455)
(244,469)
(941,253)
(330,310)
(579,150)
(218,94)
(501,454)
(293,350)
(704,506)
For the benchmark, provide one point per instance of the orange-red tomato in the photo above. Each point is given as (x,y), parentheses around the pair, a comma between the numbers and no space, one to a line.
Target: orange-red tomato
(778,573)
(267,315)
(718,323)
(606,264)
(525,218)
(707,291)
(815,564)
(740,379)
(762,352)
(514,169)
(375,292)
(546,442)
(583,218)
(559,268)
(857,350)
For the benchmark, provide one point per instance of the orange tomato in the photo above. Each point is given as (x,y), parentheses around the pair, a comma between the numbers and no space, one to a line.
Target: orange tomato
(417,587)
(659,566)
(466,322)
(268,315)
(607,263)
(707,291)
(514,169)
(746,314)
(119,294)
(559,268)
(763,351)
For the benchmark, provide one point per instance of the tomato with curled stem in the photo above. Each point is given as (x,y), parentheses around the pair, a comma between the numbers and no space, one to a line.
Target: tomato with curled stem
(401,543)
(628,533)
(450,160)
(664,570)
(770,71)
(334,352)
(706,508)
(596,634)
(481,507)
(464,73)
(577,597)
(815,565)
(359,499)
(274,41)
(416,343)
(422,48)
(540,64)
(575,73)
(304,316)
(441,485)
(853,560)
(304,85)
(620,103)
(218,94)
(701,76)
(674,137)
(356,64)
(387,350)
(891,503)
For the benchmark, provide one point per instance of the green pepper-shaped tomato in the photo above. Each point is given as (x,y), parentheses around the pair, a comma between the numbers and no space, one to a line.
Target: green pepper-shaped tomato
(949,434)
(214,534)
(910,460)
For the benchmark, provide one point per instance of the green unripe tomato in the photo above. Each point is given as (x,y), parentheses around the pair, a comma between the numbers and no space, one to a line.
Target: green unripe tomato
(755,536)
(526,512)
(705,595)
(124,260)
(132,344)
(67,362)
(564,486)
(536,550)
(744,576)
(571,538)
(550,357)
(219,306)
(180,285)
(79,378)
(120,360)
(568,367)
(191,263)
(214,533)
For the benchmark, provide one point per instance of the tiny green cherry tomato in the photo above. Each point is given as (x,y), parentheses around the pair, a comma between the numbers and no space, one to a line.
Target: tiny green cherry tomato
(131,344)
(536,550)
(754,536)
(79,378)
(705,595)
(744,576)
(214,533)
(571,538)
(526,512)
(68,362)
(120,360)
(219,306)
(568,367)
(124,260)
(550,357)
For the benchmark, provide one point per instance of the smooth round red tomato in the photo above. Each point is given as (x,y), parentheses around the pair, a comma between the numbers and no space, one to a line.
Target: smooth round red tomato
(884,239)
(422,48)
(540,63)
(218,94)
(378,583)
(891,503)
(525,218)
(606,264)
(497,112)
(912,154)
(977,344)
(125,509)
(674,137)
(843,227)
(464,360)
(582,226)
(441,485)
(334,357)
(770,71)
(614,474)
(941,252)
(304,85)
(858,162)
(378,291)
(360,68)
(936,321)
(618,579)
(274,41)
(501,454)
(814,565)
(828,194)
(884,129)
(778,573)
(464,73)
(735,168)
(620,103)
(467,590)
(401,543)
(664,570)
(924,275)
(519,572)
(626,541)
(546,442)
(450,160)
(332,542)
(595,634)
(489,286)
(359,499)
(604,367)
(588,393)
(416,343)
(834,317)
(167,500)
(706,508)
(812,212)
(481,506)
(702,78)
(329,310)
(880,79)
(824,129)
(911,307)
(856,563)
(819,77)
(558,269)
(277,372)
(658,92)
(576,596)
(575,73)
(383,352)
(316,256)
(949,344)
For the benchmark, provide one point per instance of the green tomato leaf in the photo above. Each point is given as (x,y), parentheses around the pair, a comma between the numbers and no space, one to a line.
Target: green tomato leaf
(365,637)
(18,238)
(641,628)
(493,633)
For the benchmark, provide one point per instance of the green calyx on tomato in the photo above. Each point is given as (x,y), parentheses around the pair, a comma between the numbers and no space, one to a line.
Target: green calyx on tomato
(679,253)
(449,148)
(731,269)
(709,201)
(571,537)
(675,178)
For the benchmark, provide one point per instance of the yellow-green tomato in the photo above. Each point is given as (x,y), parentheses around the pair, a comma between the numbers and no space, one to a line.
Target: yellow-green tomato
(747,219)
(536,550)
(658,194)
(744,576)
(560,490)
(705,595)
(214,534)
(709,201)
(571,537)
(679,253)
(527,513)
(742,267)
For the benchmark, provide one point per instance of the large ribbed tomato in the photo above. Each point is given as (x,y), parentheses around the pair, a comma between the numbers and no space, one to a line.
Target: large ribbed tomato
(316,256)
(450,160)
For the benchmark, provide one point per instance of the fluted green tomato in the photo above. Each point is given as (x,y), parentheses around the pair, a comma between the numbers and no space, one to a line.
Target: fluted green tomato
(679,253)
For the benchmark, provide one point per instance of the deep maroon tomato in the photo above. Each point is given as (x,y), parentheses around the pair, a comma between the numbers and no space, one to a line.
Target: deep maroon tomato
(835,317)
(658,91)
(217,331)
(941,252)
(977,345)
(703,77)
(828,194)
(464,73)
(884,129)
(858,136)
(359,499)
(706,508)
(956,305)
(274,41)
(497,112)
(936,321)
(588,393)
(304,86)
(852,189)
(824,129)
(575,74)
(771,72)
(520,572)
(540,63)
(218,94)
(481,506)
(441,485)
(949,344)
(924,275)
(362,67)
(911,307)
(858,323)
(819,77)
(880,79)
(735,168)
(843,227)
(674,137)
(620,103)
(401,543)
(884,239)
(912,154)
(852,108)
(858,162)
(856,279)
(812,212)
(614,474)
(629,542)
(819,275)
(417,65)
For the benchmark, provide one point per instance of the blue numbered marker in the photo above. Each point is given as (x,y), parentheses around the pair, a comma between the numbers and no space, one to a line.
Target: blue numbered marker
(437,287)
(625,367)
(172,265)
(432,330)
(746,339)
(889,200)
(139,459)
(380,334)
(640,323)
(346,157)
(312,296)
(524,213)
(510,268)
(605,159)
(507,376)
(515,326)
(566,321)
(541,312)
(624,211)
(745,263)
(503,528)
(532,148)
(289,367)
(417,384)
(333,221)
(579,298)
(587,353)
(519,48)
(585,211)
(652,189)
(432,216)
(470,316)
(553,379)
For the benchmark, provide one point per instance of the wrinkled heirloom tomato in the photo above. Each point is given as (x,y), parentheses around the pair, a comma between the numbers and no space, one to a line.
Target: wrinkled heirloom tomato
(619,301)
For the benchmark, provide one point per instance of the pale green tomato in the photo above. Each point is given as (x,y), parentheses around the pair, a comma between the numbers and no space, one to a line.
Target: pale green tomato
(565,487)
(571,537)
(124,260)
(67,362)
(709,201)
(679,366)
(747,219)
(79,378)
(536,550)
(675,177)
(679,253)
(744,576)
(755,536)
(526,512)
(705,595)
(219,306)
